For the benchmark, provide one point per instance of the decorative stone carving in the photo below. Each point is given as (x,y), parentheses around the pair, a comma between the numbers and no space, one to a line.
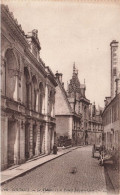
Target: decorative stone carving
(20,27)
(16,21)
(22,124)
(13,116)
(11,14)
(19,74)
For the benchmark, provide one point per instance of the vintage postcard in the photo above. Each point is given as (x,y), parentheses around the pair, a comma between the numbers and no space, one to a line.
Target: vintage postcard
(60,97)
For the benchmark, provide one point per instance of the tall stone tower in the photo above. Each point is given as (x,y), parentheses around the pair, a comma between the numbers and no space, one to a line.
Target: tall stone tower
(114,66)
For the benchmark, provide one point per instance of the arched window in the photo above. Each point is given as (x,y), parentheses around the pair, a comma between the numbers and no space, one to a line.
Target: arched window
(34,92)
(51,102)
(41,100)
(26,87)
(85,114)
(11,75)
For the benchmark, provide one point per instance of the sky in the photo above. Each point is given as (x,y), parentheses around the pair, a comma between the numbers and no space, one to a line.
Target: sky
(74,31)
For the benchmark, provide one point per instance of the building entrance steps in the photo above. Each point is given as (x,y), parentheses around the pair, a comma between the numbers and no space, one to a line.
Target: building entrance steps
(18,170)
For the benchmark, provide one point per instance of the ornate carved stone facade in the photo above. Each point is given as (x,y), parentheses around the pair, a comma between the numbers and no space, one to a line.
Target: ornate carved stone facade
(80,106)
(75,118)
(27,95)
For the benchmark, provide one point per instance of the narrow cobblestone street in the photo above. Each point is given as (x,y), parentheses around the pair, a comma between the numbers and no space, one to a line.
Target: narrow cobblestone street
(75,171)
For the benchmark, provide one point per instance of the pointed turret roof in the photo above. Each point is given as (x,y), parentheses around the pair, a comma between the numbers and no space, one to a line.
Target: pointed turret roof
(74,85)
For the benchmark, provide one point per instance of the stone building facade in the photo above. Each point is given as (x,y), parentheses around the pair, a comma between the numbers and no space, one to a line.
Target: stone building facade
(111,123)
(111,113)
(27,95)
(64,114)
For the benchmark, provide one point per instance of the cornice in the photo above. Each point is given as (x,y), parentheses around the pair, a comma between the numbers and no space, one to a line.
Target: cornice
(8,18)
(77,115)
(12,23)
(35,62)
(52,79)
(51,76)
(85,100)
(60,115)
(111,102)
(10,14)
(15,29)
(96,122)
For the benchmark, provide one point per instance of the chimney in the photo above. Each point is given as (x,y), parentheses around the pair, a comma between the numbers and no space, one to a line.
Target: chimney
(114,65)
(59,76)
(107,100)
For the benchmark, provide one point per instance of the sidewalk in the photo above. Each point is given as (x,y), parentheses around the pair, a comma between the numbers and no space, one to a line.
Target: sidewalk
(113,174)
(18,170)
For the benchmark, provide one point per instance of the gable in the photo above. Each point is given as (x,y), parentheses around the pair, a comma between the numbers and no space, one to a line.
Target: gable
(62,106)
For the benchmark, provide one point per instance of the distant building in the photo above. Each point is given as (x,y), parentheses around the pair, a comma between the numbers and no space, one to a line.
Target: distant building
(27,95)
(64,114)
(95,125)
(72,109)
(80,105)
(76,118)
(111,113)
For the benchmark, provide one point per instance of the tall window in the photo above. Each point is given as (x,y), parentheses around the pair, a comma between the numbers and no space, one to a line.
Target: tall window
(34,92)
(11,74)
(41,101)
(85,112)
(51,102)
(35,98)
(26,87)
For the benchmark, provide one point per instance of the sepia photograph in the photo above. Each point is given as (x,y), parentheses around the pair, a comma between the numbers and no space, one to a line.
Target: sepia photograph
(60,97)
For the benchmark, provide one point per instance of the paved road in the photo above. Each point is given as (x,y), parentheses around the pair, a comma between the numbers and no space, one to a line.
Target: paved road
(75,171)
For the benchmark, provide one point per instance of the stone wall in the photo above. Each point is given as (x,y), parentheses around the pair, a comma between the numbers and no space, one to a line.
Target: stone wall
(62,125)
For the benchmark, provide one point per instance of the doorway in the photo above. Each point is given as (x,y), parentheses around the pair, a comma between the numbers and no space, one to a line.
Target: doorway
(51,136)
(12,130)
(27,138)
(34,139)
(41,140)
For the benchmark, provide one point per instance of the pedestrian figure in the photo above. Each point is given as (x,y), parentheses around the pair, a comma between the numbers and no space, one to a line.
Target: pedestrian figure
(55,149)
(102,154)
(93,150)
(101,149)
